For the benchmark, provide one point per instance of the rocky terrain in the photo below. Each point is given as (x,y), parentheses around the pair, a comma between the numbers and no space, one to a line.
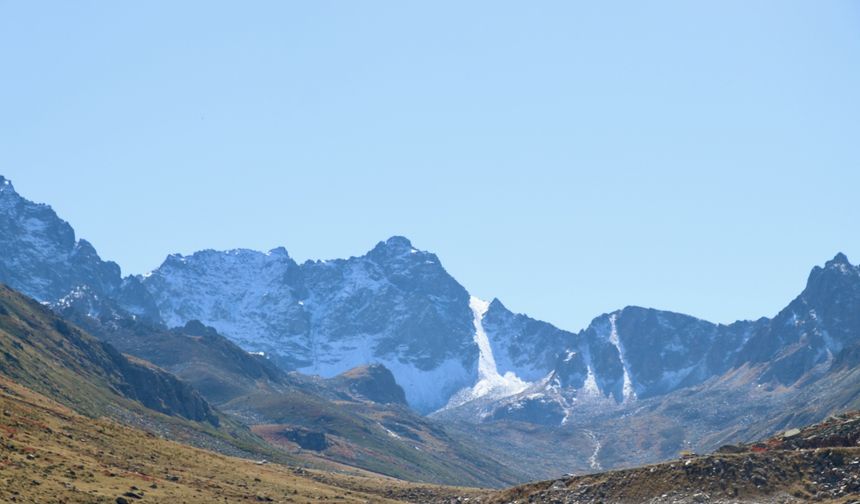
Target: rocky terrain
(819,463)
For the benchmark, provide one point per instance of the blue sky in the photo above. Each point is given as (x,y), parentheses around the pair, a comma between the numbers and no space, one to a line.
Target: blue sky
(570,158)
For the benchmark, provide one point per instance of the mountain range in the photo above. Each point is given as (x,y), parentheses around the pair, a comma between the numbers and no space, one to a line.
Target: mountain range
(618,392)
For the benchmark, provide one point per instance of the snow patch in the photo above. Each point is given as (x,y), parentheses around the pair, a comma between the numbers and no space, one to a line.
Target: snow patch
(389,432)
(491,383)
(590,386)
(627,391)
(593,460)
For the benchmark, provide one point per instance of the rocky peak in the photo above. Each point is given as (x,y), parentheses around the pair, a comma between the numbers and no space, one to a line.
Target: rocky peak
(839,258)
(397,254)
(40,254)
(227,289)
(8,195)
(394,246)
(278,252)
(837,282)
(6,187)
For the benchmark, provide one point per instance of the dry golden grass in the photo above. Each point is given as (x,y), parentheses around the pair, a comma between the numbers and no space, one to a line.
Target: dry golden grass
(49,454)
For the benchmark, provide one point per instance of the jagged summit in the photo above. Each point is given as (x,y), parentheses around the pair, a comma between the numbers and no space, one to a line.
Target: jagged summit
(396,246)
(839,258)
(397,242)
(837,274)
(8,194)
(277,252)
(41,255)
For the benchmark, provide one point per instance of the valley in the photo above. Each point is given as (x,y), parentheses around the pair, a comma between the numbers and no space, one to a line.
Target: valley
(379,378)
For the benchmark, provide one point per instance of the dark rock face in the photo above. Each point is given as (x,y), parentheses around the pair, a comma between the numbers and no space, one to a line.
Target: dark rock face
(538,410)
(818,325)
(195,353)
(399,293)
(41,255)
(374,383)
(659,351)
(663,351)
(161,391)
(42,259)
(522,344)
(307,439)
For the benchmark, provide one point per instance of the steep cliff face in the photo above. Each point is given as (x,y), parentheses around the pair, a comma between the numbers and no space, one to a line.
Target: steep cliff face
(42,258)
(41,255)
(821,322)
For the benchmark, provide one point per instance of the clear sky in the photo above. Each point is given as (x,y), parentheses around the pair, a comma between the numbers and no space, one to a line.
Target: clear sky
(570,158)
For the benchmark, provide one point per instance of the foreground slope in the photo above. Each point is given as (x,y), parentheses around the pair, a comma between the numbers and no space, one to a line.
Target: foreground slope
(359,418)
(45,353)
(49,453)
(819,463)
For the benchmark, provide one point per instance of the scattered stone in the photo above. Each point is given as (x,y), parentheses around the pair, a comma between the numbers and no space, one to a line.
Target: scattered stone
(790,433)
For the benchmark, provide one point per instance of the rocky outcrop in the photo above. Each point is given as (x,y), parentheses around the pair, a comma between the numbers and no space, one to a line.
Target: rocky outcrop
(159,390)
(307,439)
(42,258)
(373,383)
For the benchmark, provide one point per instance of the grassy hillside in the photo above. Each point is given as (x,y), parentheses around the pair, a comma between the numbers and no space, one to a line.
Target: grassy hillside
(48,355)
(358,419)
(49,453)
(390,440)
(45,353)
